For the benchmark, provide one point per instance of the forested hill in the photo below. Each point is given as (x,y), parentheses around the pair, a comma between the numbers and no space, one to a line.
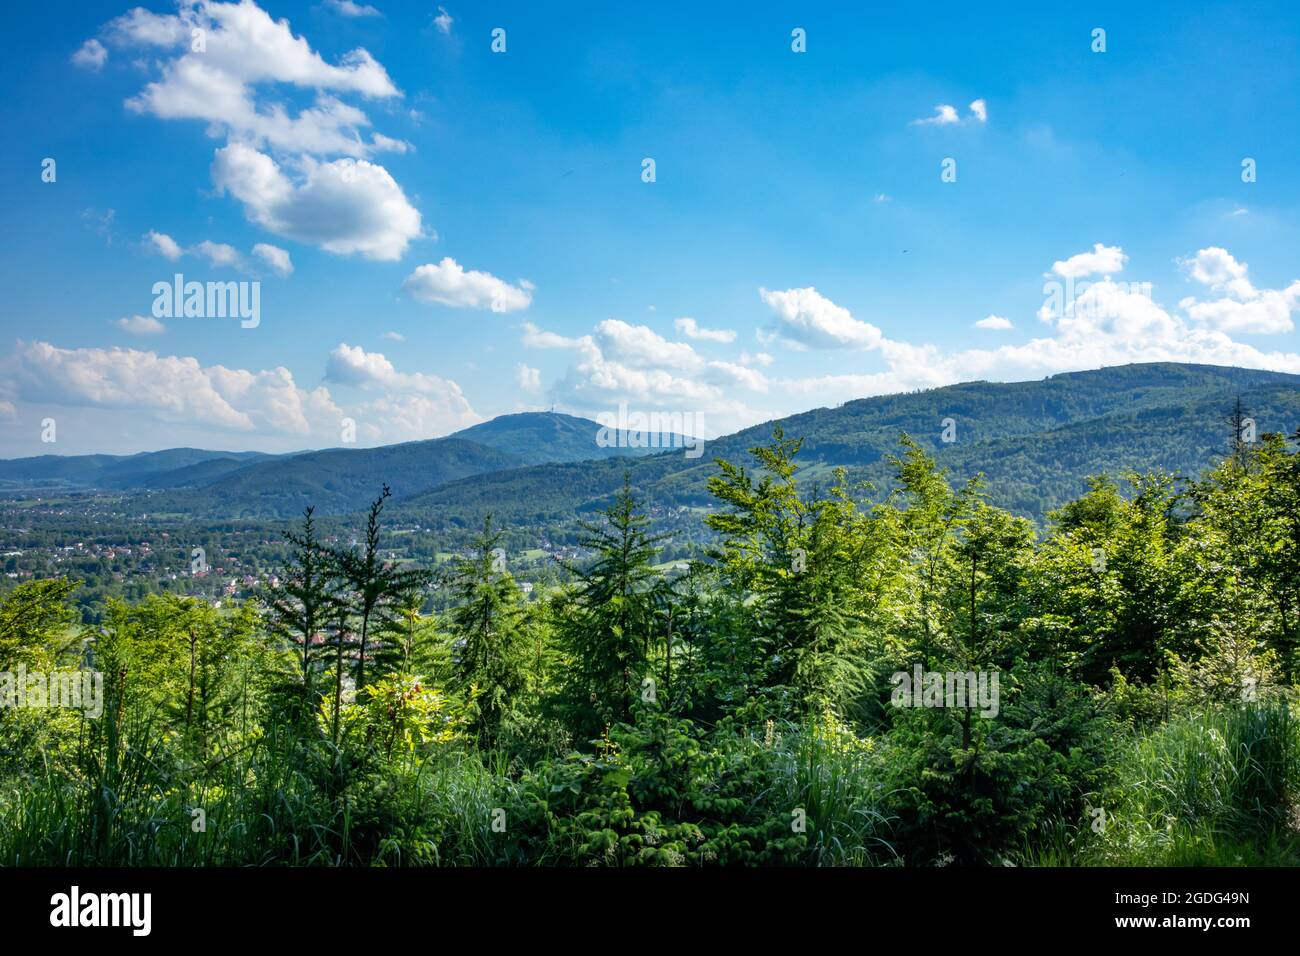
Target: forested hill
(547,437)
(1035,442)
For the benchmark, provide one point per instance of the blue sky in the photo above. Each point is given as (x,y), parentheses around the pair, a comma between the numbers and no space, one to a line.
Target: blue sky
(442,233)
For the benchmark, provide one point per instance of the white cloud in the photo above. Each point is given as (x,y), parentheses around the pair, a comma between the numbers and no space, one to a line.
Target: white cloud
(141,325)
(1241,307)
(443,21)
(91,55)
(1267,313)
(411,417)
(178,394)
(345,206)
(944,115)
(415,404)
(164,245)
(731,373)
(353,365)
(141,27)
(639,346)
(448,283)
(620,362)
(689,328)
(246,76)
(529,379)
(219,254)
(245,50)
(807,318)
(394,336)
(1107,323)
(1218,269)
(994,322)
(170,388)
(535,338)
(275,257)
(1102,260)
(348,8)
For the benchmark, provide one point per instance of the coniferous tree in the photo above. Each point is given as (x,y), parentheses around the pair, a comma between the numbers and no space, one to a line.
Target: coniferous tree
(606,625)
(489,662)
(375,588)
(301,608)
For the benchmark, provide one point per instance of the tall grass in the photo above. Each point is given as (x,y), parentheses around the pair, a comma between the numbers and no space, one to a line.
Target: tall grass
(1219,787)
(269,801)
(834,777)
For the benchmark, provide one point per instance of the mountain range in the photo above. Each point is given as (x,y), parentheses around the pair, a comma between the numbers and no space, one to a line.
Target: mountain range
(1035,442)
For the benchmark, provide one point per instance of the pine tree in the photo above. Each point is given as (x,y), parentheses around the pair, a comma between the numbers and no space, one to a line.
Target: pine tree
(375,588)
(301,607)
(489,663)
(801,571)
(606,625)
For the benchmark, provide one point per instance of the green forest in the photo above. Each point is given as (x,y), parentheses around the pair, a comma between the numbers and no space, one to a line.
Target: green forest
(1137,661)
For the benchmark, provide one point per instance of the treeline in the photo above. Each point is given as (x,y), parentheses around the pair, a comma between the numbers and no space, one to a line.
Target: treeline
(743,708)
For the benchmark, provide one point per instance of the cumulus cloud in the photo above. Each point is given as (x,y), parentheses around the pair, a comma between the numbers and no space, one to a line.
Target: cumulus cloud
(221,254)
(639,346)
(1106,323)
(994,322)
(412,417)
(181,392)
(1102,260)
(141,27)
(348,8)
(620,362)
(537,338)
(141,325)
(732,373)
(448,283)
(945,114)
(443,21)
(91,55)
(274,257)
(345,206)
(1241,307)
(419,405)
(394,336)
(689,328)
(529,379)
(223,53)
(1217,268)
(291,135)
(171,388)
(804,317)
(164,245)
